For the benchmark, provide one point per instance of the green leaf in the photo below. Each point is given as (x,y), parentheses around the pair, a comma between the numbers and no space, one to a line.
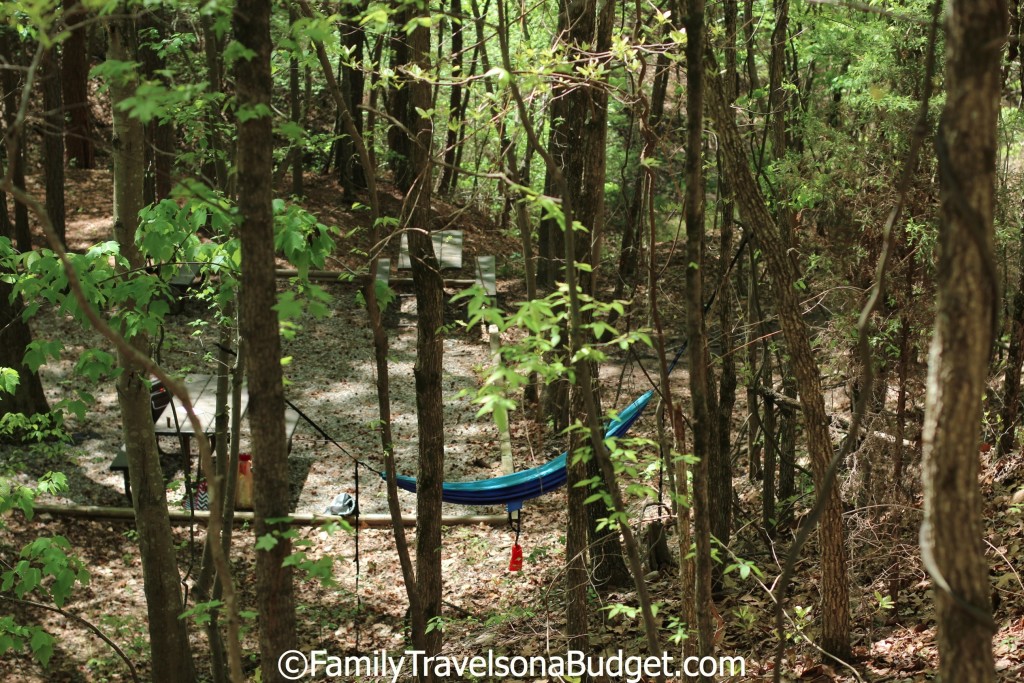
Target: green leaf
(8,380)
(248,113)
(292,131)
(266,542)
(42,646)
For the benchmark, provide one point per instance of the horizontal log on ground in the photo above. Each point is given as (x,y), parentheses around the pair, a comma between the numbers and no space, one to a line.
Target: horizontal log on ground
(298,519)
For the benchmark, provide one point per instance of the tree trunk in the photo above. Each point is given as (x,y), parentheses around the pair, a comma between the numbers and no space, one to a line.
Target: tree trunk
(53,141)
(1009,414)
(967,309)
(748,34)
(215,167)
(172,658)
(351,173)
(11,86)
(835,610)
(577,578)
(15,336)
(429,367)
(295,115)
(456,112)
(704,442)
(75,86)
(258,325)
(160,138)
(769,518)
(399,143)
(721,467)
(752,371)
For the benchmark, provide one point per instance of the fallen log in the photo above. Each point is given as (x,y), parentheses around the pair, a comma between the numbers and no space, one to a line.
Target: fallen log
(298,519)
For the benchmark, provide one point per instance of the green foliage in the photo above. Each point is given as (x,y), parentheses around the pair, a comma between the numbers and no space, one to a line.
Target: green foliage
(202,612)
(43,432)
(745,568)
(320,569)
(45,572)
(9,380)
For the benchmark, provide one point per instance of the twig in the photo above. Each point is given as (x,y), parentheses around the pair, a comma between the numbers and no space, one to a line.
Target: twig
(84,622)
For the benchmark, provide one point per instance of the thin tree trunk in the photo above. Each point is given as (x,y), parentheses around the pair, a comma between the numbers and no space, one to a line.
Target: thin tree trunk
(257,322)
(160,138)
(835,610)
(397,98)
(53,141)
(380,341)
(456,114)
(748,35)
(295,114)
(351,172)
(583,369)
(10,83)
(1009,414)
(215,167)
(753,416)
(721,468)
(429,366)
(78,143)
(704,442)
(769,518)
(172,658)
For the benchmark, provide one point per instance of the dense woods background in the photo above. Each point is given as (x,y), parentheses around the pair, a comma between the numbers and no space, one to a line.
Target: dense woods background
(813,207)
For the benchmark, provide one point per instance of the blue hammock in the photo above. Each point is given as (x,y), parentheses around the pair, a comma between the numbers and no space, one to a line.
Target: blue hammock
(512,489)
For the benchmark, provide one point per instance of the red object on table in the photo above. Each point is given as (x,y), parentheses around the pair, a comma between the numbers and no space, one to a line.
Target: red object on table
(243,491)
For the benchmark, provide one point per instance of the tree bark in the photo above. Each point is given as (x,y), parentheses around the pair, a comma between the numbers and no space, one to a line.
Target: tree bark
(705,444)
(1010,411)
(11,86)
(967,310)
(295,116)
(835,638)
(429,368)
(399,143)
(351,173)
(78,144)
(215,166)
(53,141)
(456,111)
(15,336)
(258,325)
(172,658)
(160,138)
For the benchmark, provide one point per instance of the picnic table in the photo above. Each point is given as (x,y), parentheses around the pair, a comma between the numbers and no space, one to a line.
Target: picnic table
(173,421)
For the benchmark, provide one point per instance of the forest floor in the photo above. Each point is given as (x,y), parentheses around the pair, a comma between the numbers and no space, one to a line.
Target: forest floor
(331,378)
